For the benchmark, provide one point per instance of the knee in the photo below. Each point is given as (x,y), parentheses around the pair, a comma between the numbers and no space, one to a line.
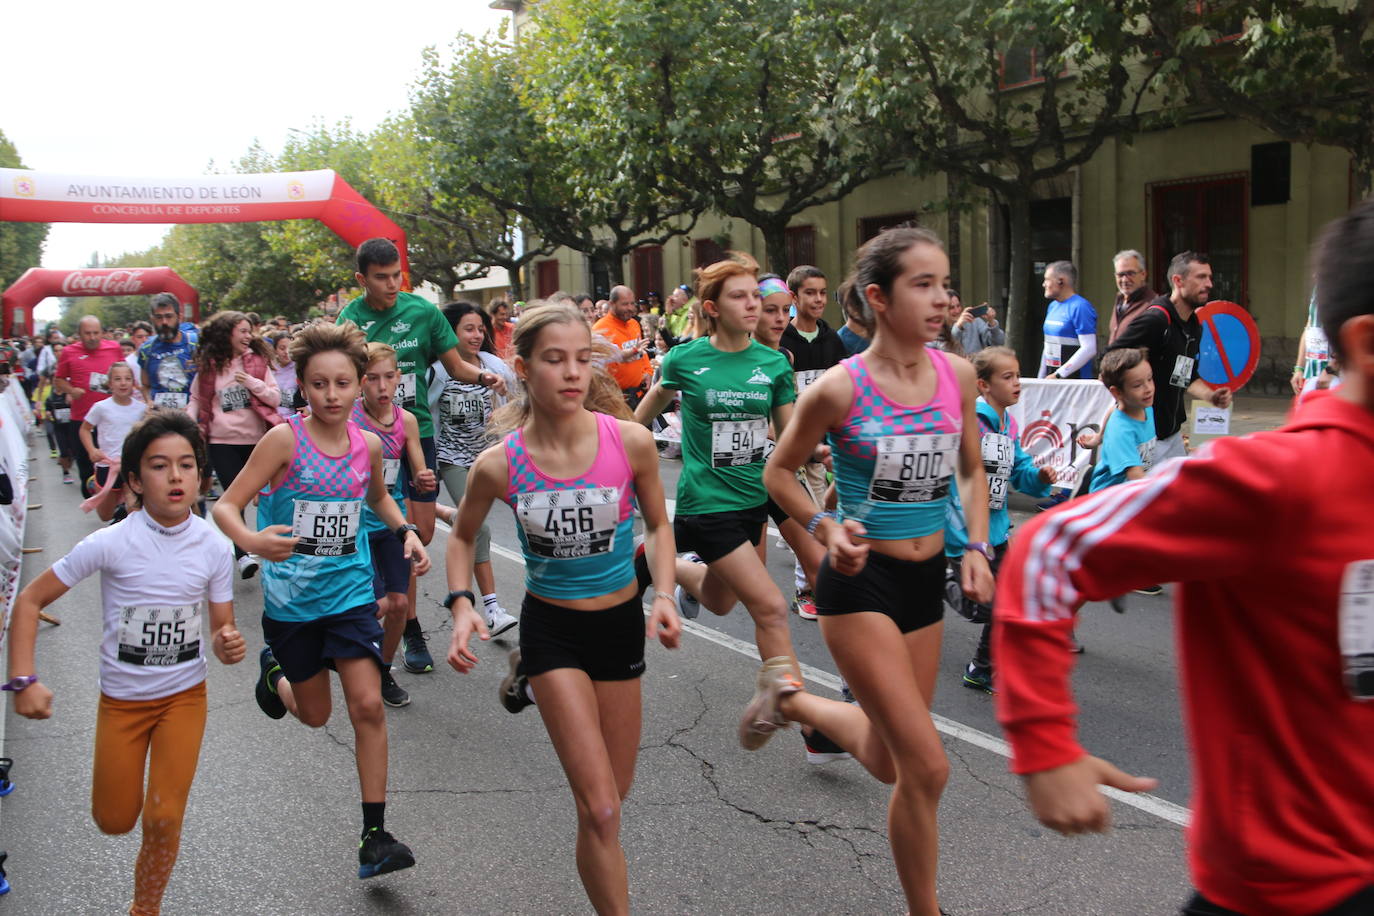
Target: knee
(114,822)
(926,776)
(394,607)
(363,711)
(600,816)
(771,612)
(314,717)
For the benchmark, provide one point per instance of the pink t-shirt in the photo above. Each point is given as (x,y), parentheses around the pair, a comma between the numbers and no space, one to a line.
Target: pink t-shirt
(233,421)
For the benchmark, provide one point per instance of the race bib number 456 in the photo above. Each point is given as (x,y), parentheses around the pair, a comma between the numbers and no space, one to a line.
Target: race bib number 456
(913,469)
(326,529)
(563,524)
(159,636)
(737,442)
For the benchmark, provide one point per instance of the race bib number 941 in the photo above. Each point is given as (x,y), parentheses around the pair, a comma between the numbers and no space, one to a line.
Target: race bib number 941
(326,529)
(159,636)
(737,442)
(564,524)
(913,469)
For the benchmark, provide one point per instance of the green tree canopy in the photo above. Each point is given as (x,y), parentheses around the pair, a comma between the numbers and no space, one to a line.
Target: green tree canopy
(21,244)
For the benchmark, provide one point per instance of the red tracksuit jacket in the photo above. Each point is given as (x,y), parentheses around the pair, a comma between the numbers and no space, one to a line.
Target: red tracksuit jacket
(1258,532)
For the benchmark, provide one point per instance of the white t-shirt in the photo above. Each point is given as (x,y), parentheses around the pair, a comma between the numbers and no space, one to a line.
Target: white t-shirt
(112,424)
(154,582)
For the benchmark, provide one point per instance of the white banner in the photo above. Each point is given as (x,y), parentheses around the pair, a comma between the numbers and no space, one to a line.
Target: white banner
(1050,417)
(15,421)
(280,187)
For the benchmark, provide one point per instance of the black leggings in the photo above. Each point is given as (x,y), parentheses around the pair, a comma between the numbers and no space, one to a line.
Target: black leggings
(1358,905)
(228,461)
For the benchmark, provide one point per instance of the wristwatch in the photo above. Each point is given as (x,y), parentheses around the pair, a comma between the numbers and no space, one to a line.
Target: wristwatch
(19,683)
(982,547)
(461,593)
(401,531)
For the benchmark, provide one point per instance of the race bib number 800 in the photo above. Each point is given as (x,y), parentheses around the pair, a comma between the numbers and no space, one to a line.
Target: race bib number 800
(737,442)
(159,636)
(564,524)
(326,529)
(913,469)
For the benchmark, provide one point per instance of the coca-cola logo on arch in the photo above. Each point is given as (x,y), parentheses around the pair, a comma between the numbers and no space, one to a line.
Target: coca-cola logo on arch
(114,282)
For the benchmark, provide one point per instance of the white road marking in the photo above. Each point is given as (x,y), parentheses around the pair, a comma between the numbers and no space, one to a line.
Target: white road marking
(1150,804)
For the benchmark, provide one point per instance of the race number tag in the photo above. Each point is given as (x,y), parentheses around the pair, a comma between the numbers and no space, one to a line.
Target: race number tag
(406,386)
(1316,344)
(233,397)
(737,442)
(1212,421)
(176,400)
(158,636)
(99,381)
(998,457)
(1357,629)
(326,529)
(807,377)
(1053,357)
(391,469)
(565,524)
(1183,372)
(62,414)
(913,469)
(467,406)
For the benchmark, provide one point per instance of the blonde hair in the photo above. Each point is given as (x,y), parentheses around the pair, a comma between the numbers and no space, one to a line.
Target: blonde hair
(122,365)
(603,394)
(320,338)
(378,351)
(984,358)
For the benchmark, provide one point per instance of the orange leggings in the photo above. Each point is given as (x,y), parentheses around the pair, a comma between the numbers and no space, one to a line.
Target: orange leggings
(125,730)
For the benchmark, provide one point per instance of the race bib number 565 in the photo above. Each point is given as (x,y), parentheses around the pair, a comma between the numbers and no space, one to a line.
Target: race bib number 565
(913,469)
(159,636)
(563,524)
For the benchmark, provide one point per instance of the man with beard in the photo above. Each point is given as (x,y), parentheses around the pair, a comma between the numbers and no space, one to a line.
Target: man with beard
(168,359)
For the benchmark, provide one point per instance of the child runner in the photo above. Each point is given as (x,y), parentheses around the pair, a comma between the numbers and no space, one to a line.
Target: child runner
(313,475)
(461,416)
(573,477)
(111,420)
(880,589)
(156,568)
(284,371)
(1128,438)
(1007,467)
(377,412)
(1275,566)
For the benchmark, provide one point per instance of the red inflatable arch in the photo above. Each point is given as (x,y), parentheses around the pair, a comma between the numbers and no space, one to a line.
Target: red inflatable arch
(38,283)
(51,197)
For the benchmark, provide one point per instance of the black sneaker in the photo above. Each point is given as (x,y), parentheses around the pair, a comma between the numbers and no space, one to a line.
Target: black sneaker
(379,852)
(513,693)
(821,749)
(393,694)
(1151,590)
(417,659)
(976,678)
(267,698)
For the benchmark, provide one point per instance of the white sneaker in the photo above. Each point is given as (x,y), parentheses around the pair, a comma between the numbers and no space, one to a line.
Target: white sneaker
(498,620)
(248,566)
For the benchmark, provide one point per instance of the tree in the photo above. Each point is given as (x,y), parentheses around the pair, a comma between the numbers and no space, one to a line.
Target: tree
(727,105)
(21,244)
(486,143)
(938,73)
(1300,69)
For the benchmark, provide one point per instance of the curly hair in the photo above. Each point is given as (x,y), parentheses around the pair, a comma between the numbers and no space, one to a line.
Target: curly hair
(216,347)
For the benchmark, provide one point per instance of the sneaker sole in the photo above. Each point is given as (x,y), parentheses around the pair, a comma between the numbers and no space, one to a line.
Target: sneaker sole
(972,684)
(416,670)
(386,866)
(514,622)
(396,704)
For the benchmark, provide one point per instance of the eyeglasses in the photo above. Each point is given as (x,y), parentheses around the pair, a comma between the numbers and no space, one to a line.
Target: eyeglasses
(1123,274)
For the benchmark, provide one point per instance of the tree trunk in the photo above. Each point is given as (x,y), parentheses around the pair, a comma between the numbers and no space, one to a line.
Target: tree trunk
(614,263)
(1020,335)
(953,247)
(516,283)
(447,288)
(775,246)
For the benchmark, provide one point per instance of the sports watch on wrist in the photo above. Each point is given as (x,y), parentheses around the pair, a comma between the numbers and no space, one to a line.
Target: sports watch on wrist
(982,547)
(400,532)
(16,684)
(460,593)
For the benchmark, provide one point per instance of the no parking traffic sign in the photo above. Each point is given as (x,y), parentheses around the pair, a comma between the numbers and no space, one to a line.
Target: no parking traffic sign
(1230,345)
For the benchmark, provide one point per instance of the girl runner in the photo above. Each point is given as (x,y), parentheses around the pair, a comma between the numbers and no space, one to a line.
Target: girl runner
(156,568)
(461,416)
(377,412)
(284,372)
(573,477)
(313,475)
(235,400)
(111,420)
(880,589)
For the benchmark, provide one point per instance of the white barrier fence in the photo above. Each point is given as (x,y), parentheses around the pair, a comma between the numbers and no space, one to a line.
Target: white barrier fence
(1050,416)
(16,419)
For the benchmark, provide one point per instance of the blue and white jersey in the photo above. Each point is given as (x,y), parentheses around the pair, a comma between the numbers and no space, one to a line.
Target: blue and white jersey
(1065,322)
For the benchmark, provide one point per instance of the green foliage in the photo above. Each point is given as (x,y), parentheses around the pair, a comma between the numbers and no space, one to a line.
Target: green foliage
(21,244)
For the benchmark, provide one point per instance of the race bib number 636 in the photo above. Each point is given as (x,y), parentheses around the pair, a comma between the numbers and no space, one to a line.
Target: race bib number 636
(326,529)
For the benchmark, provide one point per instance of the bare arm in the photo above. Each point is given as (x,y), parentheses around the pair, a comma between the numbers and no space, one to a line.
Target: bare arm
(270,457)
(973,487)
(84,434)
(464,371)
(658,533)
(1218,397)
(227,642)
(486,481)
(380,501)
(35,701)
(653,404)
(415,455)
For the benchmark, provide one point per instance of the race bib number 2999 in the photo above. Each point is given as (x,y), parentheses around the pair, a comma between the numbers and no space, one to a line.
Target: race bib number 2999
(913,469)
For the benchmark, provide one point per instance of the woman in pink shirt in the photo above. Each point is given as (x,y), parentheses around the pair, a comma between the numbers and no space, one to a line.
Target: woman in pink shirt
(234,399)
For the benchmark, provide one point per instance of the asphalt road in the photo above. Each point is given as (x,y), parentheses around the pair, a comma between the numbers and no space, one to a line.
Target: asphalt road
(479,795)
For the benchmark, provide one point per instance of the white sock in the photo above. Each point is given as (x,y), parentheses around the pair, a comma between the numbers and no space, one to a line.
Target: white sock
(529,692)
(489,600)
(799,576)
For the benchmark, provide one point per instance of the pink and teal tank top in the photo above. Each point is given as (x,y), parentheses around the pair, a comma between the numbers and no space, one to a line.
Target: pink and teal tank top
(578,534)
(393,452)
(321,499)
(894,462)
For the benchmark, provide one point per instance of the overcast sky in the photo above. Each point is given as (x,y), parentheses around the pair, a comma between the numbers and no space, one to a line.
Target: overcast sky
(159,88)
